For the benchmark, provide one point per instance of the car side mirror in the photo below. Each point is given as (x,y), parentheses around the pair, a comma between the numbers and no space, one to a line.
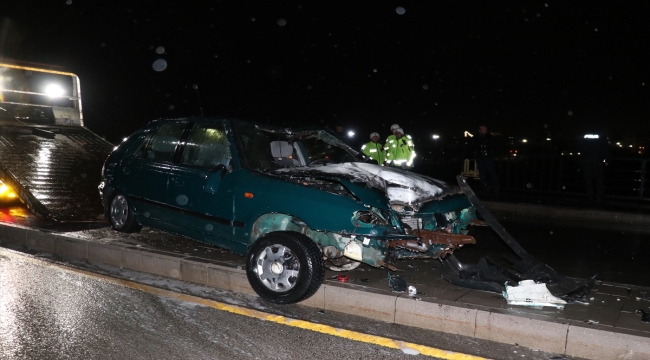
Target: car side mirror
(220,169)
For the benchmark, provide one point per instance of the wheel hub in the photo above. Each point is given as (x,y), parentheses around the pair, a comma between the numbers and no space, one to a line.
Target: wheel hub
(119,211)
(277,268)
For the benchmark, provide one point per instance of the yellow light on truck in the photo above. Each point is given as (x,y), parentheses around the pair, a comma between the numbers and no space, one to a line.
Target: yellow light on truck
(5,191)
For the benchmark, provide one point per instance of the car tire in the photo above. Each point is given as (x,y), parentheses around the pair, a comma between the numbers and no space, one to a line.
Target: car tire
(285,267)
(121,215)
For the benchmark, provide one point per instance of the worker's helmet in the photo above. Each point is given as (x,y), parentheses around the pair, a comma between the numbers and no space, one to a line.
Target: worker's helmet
(400,130)
(393,127)
(374,134)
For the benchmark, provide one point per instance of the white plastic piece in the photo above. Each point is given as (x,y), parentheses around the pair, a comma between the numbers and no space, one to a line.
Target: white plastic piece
(353,251)
(412,290)
(529,293)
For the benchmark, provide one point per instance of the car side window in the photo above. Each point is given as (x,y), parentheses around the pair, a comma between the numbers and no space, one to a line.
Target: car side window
(137,150)
(207,146)
(163,143)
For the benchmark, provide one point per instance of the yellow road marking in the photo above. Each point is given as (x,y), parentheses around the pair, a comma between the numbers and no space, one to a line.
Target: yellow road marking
(306,325)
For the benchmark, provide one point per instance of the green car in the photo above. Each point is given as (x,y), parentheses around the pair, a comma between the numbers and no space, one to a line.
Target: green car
(294,201)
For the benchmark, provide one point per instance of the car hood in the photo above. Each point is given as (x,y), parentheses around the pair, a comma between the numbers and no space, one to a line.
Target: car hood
(400,186)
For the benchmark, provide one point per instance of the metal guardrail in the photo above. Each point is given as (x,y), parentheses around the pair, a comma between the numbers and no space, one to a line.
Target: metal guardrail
(624,178)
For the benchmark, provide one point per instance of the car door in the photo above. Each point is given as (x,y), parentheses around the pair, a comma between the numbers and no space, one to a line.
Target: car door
(145,173)
(201,184)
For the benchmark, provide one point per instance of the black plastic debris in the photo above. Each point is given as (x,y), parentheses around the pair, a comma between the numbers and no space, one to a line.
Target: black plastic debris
(483,276)
(489,275)
(645,315)
(396,283)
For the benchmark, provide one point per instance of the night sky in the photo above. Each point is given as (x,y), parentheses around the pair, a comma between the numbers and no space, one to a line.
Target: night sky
(432,66)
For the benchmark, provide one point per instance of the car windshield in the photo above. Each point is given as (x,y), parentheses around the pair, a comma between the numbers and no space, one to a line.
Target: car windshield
(268,148)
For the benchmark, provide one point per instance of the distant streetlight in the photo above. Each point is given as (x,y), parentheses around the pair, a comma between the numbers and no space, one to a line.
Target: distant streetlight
(548,139)
(524,140)
(436,137)
(351,133)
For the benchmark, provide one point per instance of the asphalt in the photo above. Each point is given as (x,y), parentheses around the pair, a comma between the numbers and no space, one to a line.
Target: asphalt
(608,327)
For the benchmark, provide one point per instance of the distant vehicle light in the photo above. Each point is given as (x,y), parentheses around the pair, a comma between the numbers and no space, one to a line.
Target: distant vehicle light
(54,90)
(548,139)
(524,140)
(436,137)
(592,136)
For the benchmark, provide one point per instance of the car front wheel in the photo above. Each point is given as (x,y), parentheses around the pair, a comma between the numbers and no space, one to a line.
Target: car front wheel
(285,267)
(121,216)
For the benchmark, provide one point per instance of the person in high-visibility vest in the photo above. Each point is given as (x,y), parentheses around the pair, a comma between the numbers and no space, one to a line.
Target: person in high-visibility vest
(401,151)
(374,149)
(390,137)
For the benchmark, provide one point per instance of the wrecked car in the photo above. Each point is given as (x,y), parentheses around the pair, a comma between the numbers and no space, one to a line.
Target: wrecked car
(293,201)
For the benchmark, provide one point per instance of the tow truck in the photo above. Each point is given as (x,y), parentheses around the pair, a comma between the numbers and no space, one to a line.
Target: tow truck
(48,159)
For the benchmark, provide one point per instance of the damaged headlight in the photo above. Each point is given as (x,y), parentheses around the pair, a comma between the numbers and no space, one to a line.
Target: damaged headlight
(399,208)
(373,217)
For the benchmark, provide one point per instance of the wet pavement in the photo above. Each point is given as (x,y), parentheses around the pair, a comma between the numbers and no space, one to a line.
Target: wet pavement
(53,311)
(49,312)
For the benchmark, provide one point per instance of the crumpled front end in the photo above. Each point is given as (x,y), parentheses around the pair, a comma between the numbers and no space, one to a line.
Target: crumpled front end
(407,215)
(440,227)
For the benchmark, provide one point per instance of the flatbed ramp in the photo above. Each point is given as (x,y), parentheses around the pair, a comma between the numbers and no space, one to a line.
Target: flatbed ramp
(54,170)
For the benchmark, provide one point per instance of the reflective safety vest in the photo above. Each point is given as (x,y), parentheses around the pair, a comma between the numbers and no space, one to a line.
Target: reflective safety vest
(388,140)
(375,151)
(400,151)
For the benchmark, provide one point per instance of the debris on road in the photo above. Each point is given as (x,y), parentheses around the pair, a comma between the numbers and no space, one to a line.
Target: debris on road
(530,293)
(645,315)
(396,283)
